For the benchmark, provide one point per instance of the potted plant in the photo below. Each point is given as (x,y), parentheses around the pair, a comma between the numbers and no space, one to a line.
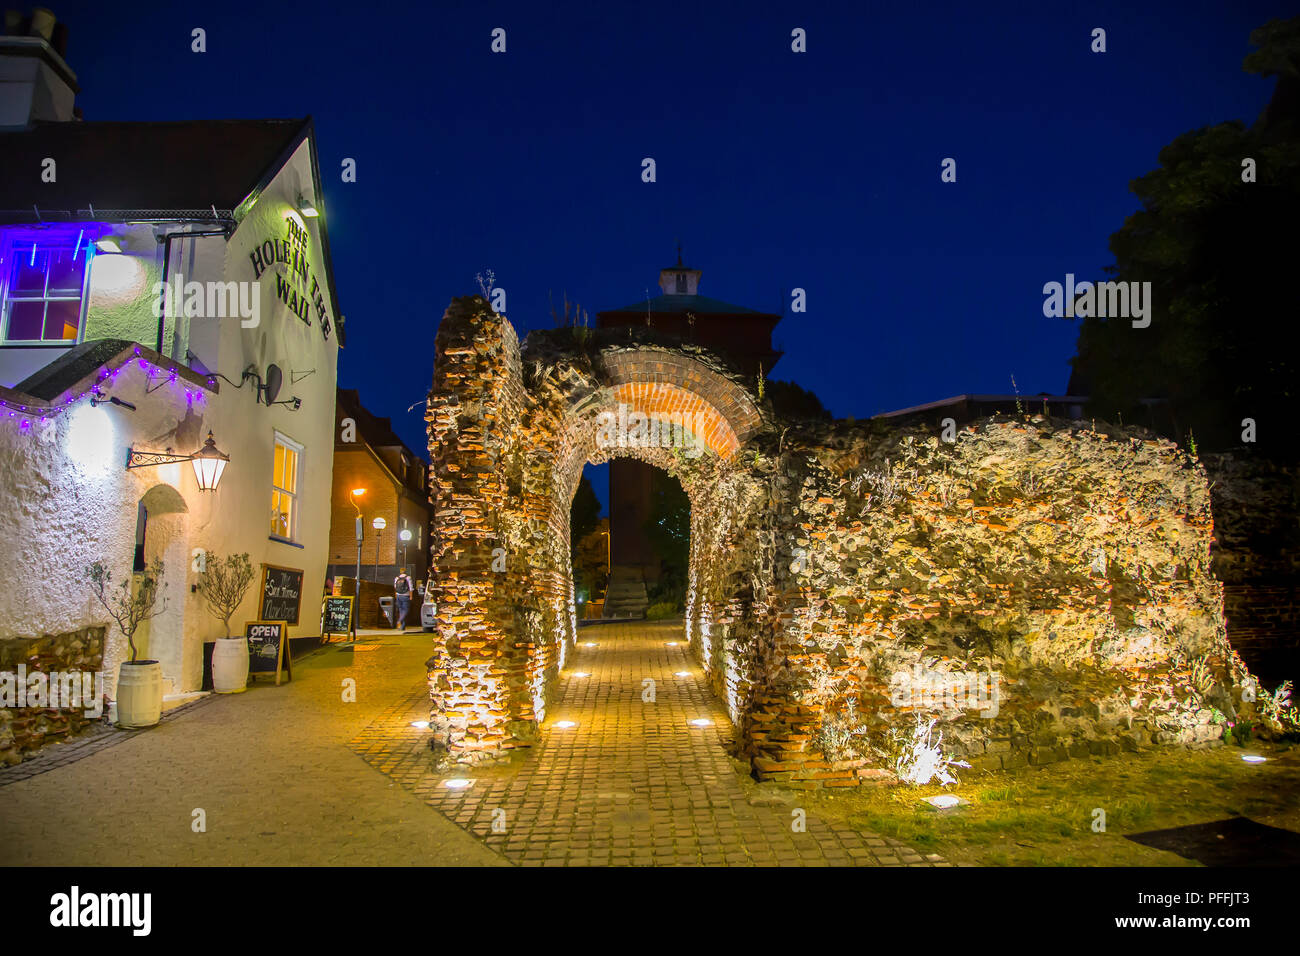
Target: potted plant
(139,683)
(223,585)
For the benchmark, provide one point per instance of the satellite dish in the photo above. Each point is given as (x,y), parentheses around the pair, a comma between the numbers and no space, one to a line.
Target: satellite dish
(272,387)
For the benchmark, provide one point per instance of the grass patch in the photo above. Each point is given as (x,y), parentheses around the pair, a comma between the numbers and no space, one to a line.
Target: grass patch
(1043,816)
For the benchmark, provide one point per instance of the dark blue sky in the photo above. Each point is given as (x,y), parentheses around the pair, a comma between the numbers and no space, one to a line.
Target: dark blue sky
(776,170)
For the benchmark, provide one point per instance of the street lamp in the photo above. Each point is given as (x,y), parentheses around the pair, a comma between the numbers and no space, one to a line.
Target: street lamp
(378,524)
(405,535)
(356,589)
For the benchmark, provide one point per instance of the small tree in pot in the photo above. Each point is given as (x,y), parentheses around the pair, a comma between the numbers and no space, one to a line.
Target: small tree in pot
(139,683)
(224,584)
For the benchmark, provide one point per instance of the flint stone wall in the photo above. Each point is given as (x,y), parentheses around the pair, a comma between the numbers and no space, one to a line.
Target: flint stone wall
(1060,574)
(1256,554)
(24,729)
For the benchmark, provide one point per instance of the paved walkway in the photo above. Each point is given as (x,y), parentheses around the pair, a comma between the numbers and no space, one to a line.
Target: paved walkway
(632,782)
(276,774)
(270,768)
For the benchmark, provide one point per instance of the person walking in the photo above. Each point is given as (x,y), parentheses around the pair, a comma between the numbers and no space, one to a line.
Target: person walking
(402,586)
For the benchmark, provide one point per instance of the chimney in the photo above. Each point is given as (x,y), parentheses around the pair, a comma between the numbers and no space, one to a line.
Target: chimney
(36,84)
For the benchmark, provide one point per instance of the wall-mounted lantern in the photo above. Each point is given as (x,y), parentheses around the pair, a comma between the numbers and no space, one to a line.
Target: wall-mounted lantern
(209,462)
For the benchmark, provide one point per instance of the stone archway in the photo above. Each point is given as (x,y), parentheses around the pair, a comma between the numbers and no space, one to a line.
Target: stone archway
(847,580)
(510,431)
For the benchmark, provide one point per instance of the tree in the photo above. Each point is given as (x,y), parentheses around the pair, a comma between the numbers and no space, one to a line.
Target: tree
(224,583)
(129,608)
(1219,254)
(591,562)
(584,516)
(668,529)
(790,400)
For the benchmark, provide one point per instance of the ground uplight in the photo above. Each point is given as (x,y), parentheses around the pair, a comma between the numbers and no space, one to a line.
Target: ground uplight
(944,801)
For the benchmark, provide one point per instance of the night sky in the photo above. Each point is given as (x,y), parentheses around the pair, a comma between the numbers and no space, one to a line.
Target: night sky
(775,170)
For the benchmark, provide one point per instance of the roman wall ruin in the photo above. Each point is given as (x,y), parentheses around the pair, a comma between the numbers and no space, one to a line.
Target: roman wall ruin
(1034,590)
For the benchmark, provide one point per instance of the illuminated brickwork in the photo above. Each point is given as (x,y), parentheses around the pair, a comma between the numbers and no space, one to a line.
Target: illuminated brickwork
(1058,574)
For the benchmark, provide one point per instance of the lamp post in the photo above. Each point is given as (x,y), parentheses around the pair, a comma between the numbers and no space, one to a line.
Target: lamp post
(405,535)
(378,524)
(356,588)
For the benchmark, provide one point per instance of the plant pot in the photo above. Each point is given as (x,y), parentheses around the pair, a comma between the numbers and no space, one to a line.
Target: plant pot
(139,694)
(230,665)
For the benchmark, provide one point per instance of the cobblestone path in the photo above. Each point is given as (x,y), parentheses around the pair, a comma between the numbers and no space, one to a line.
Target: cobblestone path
(631,781)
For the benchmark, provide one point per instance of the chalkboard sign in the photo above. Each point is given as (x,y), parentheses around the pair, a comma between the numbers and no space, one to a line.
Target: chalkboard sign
(281,594)
(268,648)
(336,616)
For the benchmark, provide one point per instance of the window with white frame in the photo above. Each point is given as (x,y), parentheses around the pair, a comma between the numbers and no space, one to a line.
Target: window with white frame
(42,289)
(284,488)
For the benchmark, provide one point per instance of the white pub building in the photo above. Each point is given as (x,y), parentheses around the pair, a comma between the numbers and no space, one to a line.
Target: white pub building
(160,283)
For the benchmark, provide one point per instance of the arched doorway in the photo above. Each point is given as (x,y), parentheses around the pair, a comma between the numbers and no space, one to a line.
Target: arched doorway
(162,533)
(510,432)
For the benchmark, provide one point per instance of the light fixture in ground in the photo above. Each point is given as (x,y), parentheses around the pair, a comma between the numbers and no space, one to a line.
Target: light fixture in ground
(701,722)
(682,674)
(589,644)
(945,801)
(565,724)
(579,674)
(1253,758)
(670,643)
(421,724)
(458,783)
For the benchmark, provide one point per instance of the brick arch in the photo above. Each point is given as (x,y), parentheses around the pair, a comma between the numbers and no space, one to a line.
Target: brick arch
(510,430)
(690,380)
(666,388)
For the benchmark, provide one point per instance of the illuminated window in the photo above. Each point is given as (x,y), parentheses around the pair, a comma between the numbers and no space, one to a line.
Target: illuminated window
(284,488)
(44,282)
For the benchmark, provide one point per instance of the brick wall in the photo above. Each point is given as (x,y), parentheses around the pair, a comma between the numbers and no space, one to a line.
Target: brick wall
(355,467)
(1064,569)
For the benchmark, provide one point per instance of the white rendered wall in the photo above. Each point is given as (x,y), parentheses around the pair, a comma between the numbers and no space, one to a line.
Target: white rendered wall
(67,499)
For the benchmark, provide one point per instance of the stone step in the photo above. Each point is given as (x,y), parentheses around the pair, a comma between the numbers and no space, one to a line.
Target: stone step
(626,596)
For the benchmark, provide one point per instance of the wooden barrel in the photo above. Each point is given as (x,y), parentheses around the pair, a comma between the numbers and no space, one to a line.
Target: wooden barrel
(230,666)
(139,694)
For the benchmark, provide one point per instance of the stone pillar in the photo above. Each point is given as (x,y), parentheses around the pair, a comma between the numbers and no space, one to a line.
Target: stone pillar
(472,413)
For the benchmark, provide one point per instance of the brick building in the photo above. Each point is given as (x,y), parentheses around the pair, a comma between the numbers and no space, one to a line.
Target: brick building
(741,335)
(368,455)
